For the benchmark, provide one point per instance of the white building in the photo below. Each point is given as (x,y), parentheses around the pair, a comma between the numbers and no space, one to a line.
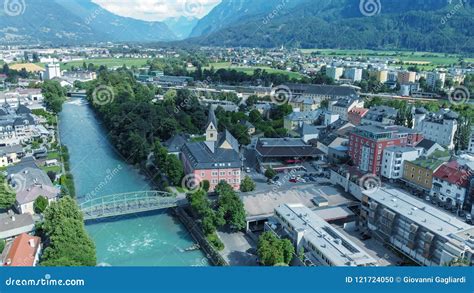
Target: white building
(427,235)
(471,142)
(394,157)
(334,72)
(342,106)
(451,183)
(433,77)
(354,74)
(52,70)
(323,244)
(439,127)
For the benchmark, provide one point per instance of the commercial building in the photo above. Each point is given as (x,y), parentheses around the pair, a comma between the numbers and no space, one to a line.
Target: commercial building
(380,116)
(321,92)
(393,160)
(53,70)
(439,127)
(425,234)
(323,245)
(367,143)
(285,150)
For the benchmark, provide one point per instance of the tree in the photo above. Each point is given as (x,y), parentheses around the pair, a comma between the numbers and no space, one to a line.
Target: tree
(272,251)
(270,173)
(231,206)
(206,185)
(67,242)
(174,169)
(7,197)
(54,95)
(247,184)
(40,204)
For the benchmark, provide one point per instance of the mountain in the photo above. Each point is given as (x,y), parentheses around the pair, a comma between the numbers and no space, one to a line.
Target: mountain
(420,25)
(75,22)
(234,11)
(181,26)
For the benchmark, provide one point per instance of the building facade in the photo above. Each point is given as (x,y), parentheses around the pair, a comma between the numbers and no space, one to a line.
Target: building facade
(451,183)
(393,160)
(439,127)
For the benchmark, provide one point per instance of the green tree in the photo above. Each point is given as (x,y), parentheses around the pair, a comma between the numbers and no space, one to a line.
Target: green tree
(206,185)
(67,243)
(247,184)
(40,204)
(231,206)
(174,169)
(272,251)
(54,95)
(270,173)
(7,197)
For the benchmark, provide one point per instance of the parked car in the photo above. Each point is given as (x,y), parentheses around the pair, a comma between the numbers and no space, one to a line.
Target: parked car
(293,180)
(247,169)
(427,198)
(468,218)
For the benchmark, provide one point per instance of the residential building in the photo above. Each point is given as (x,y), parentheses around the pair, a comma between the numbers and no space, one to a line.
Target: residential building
(439,127)
(418,174)
(323,244)
(394,157)
(24,251)
(330,118)
(355,115)
(29,184)
(354,74)
(175,144)
(471,142)
(432,78)
(16,125)
(12,224)
(250,127)
(10,155)
(297,119)
(309,132)
(429,147)
(451,183)
(216,159)
(407,89)
(425,234)
(52,71)
(367,143)
(380,116)
(381,76)
(304,104)
(342,106)
(404,77)
(334,72)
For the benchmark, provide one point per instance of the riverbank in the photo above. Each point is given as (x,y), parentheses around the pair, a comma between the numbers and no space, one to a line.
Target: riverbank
(149,239)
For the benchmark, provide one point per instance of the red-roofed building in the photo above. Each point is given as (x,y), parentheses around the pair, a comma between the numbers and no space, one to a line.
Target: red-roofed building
(451,182)
(23,252)
(355,115)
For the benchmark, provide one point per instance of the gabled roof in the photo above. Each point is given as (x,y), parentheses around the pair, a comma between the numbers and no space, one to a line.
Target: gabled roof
(175,143)
(453,173)
(23,251)
(211,118)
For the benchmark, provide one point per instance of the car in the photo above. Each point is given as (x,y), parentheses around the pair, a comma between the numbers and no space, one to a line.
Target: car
(427,198)
(365,237)
(276,178)
(468,218)
(247,169)
(293,180)
(302,180)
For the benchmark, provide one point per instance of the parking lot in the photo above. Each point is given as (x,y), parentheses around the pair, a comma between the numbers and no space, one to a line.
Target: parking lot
(261,203)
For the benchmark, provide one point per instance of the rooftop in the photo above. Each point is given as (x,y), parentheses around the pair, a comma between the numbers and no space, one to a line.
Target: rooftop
(431,218)
(23,251)
(335,246)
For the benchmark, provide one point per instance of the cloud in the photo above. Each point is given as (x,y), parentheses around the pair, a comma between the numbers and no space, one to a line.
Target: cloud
(153,10)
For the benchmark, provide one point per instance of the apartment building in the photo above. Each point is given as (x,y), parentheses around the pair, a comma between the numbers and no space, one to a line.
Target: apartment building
(425,234)
(439,127)
(393,160)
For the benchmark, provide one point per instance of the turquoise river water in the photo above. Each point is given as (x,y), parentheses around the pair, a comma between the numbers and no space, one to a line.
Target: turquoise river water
(153,239)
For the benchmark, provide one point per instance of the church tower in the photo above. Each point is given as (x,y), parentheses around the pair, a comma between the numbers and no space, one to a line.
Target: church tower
(211,126)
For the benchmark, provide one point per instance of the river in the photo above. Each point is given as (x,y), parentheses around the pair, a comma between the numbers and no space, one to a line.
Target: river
(152,239)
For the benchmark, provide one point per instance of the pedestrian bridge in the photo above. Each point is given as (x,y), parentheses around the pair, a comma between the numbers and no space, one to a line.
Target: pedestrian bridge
(128,203)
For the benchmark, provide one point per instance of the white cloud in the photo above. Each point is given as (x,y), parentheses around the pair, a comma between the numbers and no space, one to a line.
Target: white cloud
(153,10)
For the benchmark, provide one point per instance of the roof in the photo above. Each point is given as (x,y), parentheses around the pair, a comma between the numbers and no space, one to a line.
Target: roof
(30,194)
(377,113)
(23,251)
(303,116)
(426,144)
(418,211)
(335,246)
(175,143)
(359,111)
(211,118)
(24,163)
(12,222)
(285,147)
(453,173)
(307,129)
(11,149)
(427,163)
(322,90)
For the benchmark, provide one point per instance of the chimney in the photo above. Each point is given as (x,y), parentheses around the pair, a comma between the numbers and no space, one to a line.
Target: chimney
(31,242)
(13,218)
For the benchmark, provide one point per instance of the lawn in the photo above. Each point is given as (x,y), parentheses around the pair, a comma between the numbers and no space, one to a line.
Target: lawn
(109,62)
(249,69)
(55,169)
(53,155)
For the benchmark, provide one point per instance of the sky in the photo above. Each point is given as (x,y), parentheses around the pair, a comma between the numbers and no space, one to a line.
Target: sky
(157,10)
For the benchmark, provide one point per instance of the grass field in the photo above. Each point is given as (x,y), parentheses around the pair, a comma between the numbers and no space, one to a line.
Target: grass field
(109,62)
(249,70)
(424,60)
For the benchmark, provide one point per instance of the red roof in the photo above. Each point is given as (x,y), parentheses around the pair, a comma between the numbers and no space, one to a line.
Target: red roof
(453,173)
(360,111)
(23,251)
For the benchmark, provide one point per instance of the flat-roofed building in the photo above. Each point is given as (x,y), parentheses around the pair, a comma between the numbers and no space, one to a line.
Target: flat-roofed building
(322,243)
(425,234)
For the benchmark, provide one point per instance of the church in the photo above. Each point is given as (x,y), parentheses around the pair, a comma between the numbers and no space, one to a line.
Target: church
(216,159)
